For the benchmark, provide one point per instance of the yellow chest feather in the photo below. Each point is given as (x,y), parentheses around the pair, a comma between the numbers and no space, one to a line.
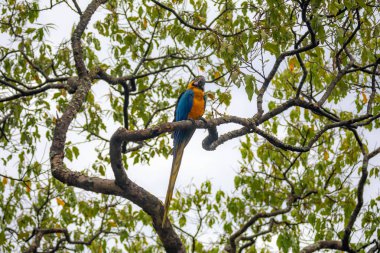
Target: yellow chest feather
(198,104)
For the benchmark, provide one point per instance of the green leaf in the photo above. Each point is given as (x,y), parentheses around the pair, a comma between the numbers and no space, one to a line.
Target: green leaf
(2,237)
(272,48)
(249,85)
(284,242)
(182,221)
(311,218)
(69,154)
(271,105)
(76,151)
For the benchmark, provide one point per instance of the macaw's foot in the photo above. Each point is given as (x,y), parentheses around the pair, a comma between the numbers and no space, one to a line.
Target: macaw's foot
(192,122)
(203,119)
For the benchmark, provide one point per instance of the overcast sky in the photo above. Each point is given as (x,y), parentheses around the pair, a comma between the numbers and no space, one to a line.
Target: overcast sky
(198,165)
(219,166)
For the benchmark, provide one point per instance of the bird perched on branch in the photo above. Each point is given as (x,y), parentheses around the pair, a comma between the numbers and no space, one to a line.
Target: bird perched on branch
(190,106)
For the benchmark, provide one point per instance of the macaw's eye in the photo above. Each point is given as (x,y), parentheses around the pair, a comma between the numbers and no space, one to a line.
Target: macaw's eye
(199,81)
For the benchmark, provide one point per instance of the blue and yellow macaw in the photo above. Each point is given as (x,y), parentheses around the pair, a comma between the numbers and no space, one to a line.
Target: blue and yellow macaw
(190,105)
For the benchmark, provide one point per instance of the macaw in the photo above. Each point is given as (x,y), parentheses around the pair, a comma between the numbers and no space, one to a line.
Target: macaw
(190,106)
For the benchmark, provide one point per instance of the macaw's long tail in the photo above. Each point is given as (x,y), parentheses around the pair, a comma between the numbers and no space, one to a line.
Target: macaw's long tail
(180,141)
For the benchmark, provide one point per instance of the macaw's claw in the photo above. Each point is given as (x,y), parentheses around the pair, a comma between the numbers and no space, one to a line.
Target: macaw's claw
(204,120)
(192,122)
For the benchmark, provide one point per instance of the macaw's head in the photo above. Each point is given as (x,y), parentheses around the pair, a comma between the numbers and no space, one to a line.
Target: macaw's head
(198,82)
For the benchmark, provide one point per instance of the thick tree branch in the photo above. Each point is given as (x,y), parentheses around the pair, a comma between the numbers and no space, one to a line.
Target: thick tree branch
(249,126)
(77,35)
(322,245)
(148,202)
(123,186)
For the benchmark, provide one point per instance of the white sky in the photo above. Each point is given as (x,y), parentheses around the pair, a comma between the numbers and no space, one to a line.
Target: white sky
(219,166)
(198,165)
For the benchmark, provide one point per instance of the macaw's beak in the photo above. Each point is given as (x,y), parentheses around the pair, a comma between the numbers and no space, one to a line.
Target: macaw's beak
(200,82)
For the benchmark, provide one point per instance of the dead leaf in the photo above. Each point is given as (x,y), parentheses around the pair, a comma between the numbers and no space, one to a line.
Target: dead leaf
(60,201)
(202,19)
(64,92)
(292,63)
(145,23)
(112,223)
(365,99)
(211,95)
(27,185)
(326,155)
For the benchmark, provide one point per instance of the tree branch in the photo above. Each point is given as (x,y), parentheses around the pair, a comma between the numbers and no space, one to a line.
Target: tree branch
(360,191)
(373,90)
(148,202)
(322,245)
(40,233)
(197,28)
(275,67)
(252,220)
(26,93)
(77,35)
(122,186)
(77,7)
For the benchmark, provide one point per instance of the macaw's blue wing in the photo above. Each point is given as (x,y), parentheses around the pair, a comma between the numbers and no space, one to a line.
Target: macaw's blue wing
(181,138)
(184,104)
(182,110)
